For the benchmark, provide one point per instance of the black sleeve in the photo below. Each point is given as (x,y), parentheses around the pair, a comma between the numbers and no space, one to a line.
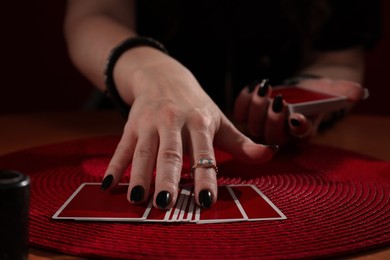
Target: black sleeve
(350,23)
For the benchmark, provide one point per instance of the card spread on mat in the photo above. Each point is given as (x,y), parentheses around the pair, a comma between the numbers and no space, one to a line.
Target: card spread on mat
(309,102)
(235,203)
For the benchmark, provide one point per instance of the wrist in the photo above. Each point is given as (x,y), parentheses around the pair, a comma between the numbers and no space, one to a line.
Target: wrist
(121,96)
(135,70)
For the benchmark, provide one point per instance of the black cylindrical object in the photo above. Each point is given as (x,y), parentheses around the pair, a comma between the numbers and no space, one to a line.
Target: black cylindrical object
(14,206)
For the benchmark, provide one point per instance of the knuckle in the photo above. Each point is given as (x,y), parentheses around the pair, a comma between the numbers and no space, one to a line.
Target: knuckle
(144,153)
(144,122)
(172,155)
(200,120)
(170,114)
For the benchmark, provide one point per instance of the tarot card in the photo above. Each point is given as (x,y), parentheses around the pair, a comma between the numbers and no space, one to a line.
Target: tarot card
(89,202)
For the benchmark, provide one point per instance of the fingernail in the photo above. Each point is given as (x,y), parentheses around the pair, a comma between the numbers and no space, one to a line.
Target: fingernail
(295,122)
(273,147)
(205,199)
(252,86)
(277,105)
(106,183)
(137,194)
(263,89)
(163,199)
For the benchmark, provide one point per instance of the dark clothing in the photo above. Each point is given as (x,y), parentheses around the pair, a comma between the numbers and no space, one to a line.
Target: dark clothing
(247,40)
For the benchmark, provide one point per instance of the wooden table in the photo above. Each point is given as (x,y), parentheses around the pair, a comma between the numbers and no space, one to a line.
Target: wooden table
(362,133)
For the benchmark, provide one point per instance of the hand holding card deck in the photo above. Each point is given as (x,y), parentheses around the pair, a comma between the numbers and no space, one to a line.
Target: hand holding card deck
(235,203)
(309,102)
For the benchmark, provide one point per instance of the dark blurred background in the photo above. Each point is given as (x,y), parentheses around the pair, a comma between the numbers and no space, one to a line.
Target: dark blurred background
(37,75)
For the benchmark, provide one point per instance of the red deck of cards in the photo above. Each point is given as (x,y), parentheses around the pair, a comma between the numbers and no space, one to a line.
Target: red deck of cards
(235,203)
(309,102)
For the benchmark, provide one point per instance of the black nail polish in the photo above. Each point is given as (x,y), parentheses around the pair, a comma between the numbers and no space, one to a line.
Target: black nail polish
(273,147)
(252,86)
(205,199)
(106,183)
(137,194)
(163,199)
(264,86)
(295,122)
(277,105)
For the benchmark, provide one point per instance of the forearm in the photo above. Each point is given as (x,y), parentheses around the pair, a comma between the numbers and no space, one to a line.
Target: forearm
(343,65)
(91,32)
(89,47)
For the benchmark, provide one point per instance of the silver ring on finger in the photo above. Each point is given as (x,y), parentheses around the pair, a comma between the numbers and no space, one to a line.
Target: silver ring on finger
(205,163)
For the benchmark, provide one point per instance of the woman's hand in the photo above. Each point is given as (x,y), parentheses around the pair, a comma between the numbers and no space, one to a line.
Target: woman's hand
(268,119)
(172,115)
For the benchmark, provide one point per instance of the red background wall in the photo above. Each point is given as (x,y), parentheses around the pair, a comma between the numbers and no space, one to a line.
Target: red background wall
(37,75)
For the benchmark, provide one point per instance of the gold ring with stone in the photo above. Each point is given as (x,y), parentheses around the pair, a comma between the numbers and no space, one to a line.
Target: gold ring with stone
(205,163)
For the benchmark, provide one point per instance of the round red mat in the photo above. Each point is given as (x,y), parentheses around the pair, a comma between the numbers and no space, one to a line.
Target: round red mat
(337,202)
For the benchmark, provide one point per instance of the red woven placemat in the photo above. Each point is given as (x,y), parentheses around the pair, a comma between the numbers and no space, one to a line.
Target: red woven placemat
(337,202)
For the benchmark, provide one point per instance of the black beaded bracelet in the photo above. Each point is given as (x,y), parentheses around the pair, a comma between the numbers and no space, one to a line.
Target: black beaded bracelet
(115,54)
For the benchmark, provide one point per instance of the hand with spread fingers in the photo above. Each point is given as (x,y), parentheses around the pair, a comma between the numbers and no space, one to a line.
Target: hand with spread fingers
(172,115)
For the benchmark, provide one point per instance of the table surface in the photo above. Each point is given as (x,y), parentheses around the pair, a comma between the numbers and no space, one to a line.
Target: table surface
(367,134)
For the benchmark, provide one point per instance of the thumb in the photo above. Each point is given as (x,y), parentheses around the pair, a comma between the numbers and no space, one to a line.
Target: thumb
(231,140)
